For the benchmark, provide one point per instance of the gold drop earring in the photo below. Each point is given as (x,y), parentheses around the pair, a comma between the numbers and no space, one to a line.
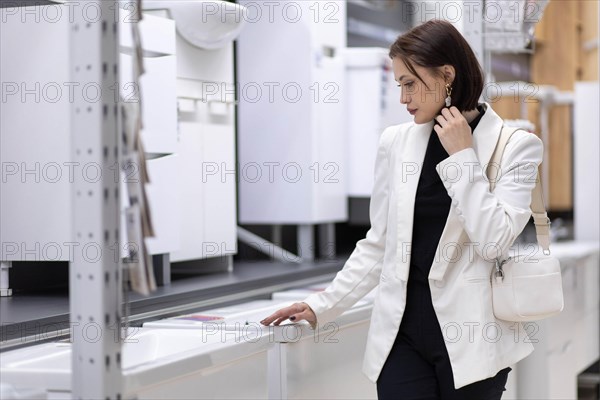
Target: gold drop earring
(448,92)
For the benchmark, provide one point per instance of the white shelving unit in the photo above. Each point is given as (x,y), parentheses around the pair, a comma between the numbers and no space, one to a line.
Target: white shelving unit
(36,132)
(82,210)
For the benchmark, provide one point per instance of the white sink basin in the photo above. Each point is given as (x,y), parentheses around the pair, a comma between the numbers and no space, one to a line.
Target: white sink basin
(149,356)
(141,347)
(207,24)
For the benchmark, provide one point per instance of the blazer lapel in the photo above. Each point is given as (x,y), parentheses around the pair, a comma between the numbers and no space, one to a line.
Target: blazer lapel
(407,172)
(485,138)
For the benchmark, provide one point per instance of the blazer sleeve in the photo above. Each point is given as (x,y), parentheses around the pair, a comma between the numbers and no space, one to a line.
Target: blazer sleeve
(362,270)
(493,220)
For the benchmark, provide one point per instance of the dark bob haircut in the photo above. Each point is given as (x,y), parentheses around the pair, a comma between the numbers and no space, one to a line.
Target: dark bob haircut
(436,43)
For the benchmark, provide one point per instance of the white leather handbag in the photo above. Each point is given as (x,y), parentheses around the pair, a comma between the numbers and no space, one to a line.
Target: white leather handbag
(526,287)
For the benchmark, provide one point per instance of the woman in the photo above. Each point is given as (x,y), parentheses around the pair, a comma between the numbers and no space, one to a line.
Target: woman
(432,332)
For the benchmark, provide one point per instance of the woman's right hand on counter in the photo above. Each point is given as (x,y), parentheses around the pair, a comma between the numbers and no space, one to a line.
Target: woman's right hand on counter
(296,312)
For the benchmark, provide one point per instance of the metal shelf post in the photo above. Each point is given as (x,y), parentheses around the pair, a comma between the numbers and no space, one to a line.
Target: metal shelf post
(94,275)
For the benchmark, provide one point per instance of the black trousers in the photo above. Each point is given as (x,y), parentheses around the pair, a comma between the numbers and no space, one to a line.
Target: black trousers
(418,366)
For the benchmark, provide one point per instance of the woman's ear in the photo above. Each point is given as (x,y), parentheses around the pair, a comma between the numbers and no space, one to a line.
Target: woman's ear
(449,73)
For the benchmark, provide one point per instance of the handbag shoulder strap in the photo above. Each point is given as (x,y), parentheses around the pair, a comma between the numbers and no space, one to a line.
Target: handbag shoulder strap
(538,209)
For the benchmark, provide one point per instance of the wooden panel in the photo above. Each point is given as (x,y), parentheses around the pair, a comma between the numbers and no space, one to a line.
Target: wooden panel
(560,193)
(588,12)
(561,162)
(533,112)
(589,65)
(507,107)
(555,62)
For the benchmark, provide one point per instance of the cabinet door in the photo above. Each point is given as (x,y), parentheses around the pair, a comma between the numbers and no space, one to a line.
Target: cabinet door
(190,192)
(329,134)
(162,199)
(219,190)
(363,105)
(206,190)
(562,379)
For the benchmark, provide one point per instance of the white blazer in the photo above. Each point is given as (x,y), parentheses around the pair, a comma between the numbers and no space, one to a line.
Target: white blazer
(480,226)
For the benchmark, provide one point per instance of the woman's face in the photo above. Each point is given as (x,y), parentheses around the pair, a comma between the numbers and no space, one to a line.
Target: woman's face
(423,102)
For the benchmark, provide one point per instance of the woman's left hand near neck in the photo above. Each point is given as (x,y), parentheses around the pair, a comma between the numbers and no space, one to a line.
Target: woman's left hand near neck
(454,130)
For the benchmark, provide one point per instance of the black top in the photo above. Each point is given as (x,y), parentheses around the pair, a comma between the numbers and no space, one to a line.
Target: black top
(432,205)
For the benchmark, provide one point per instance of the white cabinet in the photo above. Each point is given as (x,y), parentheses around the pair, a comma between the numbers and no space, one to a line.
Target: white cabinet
(206,191)
(35,190)
(195,204)
(206,145)
(291,115)
(586,141)
(373,104)
(327,364)
(303,363)
(567,343)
